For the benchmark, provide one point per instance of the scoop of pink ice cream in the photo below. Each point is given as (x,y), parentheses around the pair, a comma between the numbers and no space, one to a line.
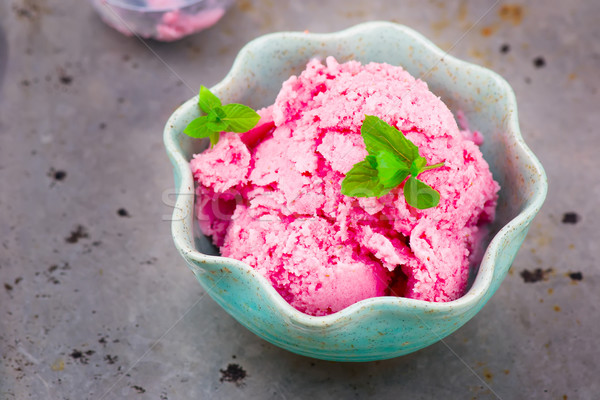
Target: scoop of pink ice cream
(279,207)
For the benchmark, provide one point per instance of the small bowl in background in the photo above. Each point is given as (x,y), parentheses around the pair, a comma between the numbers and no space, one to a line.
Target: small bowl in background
(379,327)
(164,20)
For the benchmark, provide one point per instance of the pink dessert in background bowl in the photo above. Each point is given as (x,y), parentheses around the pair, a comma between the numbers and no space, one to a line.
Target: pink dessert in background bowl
(271,197)
(164,20)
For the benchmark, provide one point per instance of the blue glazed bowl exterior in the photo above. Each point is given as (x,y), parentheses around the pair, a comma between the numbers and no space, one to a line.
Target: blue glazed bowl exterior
(381,327)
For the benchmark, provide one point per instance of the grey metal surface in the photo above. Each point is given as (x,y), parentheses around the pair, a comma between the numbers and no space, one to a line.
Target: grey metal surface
(95,305)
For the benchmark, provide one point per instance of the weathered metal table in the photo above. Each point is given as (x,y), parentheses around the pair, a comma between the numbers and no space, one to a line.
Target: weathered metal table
(95,303)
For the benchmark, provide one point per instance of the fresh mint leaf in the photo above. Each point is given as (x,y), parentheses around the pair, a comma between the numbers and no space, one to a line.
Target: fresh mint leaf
(231,117)
(392,158)
(240,118)
(208,126)
(215,120)
(418,164)
(214,138)
(198,128)
(428,167)
(391,171)
(362,181)
(372,161)
(218,112)
(217,126)
(380,136)
(207,100)
(419,194)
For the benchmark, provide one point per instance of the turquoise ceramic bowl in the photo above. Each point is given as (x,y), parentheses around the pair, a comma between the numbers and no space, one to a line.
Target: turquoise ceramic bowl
(381,327)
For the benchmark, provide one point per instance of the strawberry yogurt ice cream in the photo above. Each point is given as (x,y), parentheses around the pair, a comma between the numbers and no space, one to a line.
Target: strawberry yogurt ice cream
(271,197)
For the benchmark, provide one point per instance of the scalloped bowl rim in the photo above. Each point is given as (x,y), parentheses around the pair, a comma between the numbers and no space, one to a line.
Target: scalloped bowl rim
(485,274)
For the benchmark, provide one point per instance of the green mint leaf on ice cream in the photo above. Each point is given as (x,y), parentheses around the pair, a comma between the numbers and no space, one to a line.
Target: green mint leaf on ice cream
(239,118)
(207,100)
(392,158)
(231,118)
(419,194)
(362,180)
(391,170)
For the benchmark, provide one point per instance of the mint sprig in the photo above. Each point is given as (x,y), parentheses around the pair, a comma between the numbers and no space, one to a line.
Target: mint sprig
(392,158)
(231,118)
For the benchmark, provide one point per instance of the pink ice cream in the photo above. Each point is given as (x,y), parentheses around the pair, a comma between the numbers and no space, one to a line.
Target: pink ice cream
(271,197)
